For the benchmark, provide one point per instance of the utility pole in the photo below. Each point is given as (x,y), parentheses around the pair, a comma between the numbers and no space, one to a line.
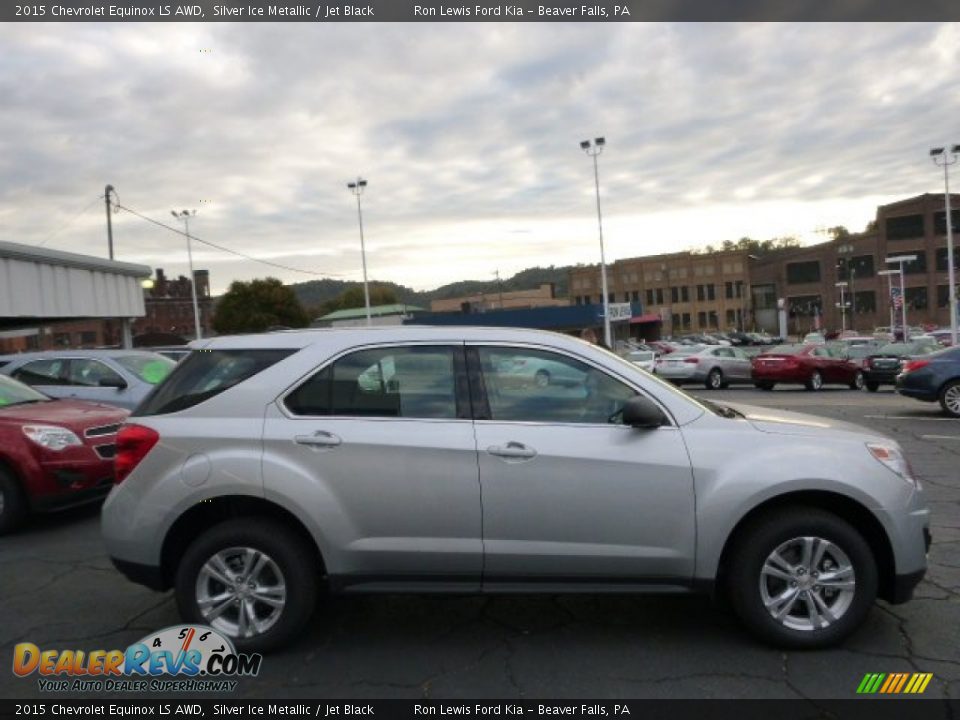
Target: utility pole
(106,197)
(185,216)
(357,189)
(499,286)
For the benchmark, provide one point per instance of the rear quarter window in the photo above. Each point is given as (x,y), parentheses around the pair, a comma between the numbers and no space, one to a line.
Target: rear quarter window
(205,374)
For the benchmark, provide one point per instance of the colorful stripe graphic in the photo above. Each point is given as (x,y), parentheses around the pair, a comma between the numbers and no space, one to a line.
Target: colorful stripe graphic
(894,683)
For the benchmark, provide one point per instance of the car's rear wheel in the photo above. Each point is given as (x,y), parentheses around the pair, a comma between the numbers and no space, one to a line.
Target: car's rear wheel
(764,385)
(714,379)
(872,385)
(950,398)
(13,506)
(251,579)
(802,578)
(542,378)
(858,381)
(815,382)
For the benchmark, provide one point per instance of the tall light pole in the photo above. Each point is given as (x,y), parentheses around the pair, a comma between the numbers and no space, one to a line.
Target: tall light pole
(593,149)
(902,260)
(106,197)
(356,187)
(185,216)
(890,274)
(842,305)
(939,156)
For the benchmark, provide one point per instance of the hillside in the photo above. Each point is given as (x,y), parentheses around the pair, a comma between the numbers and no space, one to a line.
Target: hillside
(314,293)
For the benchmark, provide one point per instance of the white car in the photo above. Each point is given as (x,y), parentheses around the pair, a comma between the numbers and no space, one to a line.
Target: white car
(644,359)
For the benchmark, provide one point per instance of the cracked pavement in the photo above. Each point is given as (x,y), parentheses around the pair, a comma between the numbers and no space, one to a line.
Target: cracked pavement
(59,590)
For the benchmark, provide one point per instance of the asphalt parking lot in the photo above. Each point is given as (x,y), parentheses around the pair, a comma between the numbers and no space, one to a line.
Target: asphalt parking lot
(58,590)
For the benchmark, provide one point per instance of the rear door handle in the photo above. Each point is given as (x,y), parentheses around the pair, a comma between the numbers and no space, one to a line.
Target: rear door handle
(513,451)
(319,439)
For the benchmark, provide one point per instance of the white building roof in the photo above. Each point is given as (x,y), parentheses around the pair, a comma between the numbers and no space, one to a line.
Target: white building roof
(37,282)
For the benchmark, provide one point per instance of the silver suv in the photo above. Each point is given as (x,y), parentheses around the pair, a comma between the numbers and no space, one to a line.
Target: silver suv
(269,467)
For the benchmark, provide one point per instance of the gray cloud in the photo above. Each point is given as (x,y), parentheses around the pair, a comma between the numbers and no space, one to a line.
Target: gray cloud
(467,134)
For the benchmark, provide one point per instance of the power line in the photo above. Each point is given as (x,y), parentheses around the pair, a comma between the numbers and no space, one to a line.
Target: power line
(225,249)
(69,222)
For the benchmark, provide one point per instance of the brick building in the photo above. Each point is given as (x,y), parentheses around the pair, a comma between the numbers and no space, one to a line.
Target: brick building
(169,306)
(693,292)
(680,292)
(543,296)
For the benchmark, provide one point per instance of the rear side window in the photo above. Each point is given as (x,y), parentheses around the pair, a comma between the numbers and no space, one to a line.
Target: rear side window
(42,372)
(204,374)
(411,382)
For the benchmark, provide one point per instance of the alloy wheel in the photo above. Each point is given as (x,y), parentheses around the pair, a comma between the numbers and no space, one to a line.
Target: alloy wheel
(951,399)
(807,583)
(241,592)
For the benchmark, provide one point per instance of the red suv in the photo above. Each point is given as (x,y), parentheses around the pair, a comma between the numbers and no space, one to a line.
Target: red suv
(53,453)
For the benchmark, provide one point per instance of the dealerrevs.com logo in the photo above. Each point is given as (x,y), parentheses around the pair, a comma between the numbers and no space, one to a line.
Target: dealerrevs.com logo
(185,658)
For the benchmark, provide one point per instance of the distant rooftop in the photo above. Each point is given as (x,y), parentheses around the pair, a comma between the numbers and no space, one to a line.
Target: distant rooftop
(375,311)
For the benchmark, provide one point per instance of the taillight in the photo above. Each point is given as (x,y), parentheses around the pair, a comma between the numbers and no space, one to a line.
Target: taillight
(133,444)
(912,365)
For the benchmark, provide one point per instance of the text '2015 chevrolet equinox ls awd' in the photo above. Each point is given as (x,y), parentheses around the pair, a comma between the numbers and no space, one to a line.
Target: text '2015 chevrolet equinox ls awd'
(414,459)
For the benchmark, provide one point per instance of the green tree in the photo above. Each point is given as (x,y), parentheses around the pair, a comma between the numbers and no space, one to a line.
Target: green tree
(352,297)
(257,305)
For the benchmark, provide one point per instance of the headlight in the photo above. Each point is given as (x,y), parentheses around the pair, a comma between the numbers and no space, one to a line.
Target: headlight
(891,456)
(51,436)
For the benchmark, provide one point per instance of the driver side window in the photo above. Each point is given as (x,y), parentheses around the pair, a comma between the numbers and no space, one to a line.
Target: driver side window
(526,385)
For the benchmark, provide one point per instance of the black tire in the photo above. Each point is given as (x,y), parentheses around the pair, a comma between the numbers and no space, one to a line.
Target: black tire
(714,379)
(858,381)
(13,505)
(950,398)
(764,385)
(815,382)
(293,557)
(872,385)
(541,378)
(774,530)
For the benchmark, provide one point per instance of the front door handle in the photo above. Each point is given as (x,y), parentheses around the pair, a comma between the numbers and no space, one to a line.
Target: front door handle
(513,451)
(319,439)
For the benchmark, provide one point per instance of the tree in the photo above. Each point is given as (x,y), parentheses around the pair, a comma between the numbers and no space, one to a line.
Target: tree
(353,297)
(258,305)
(838,232)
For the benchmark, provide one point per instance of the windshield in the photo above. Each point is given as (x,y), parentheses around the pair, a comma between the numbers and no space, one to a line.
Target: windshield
(14,392)
(149,368)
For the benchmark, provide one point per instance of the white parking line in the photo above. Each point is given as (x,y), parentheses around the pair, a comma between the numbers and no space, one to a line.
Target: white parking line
(908,417)
(940,437)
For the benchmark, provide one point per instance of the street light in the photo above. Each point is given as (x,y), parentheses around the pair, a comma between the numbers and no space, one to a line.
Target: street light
(356,188)
(593,149)
(842,305)
(890,274)
(902,260)
(185,216)
(939,157)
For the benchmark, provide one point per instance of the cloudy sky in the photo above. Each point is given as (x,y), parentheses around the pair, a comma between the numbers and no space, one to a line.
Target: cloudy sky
(468,135)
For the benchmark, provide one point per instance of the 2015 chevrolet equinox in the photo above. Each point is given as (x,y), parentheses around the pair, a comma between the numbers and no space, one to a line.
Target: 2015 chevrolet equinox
(267,467)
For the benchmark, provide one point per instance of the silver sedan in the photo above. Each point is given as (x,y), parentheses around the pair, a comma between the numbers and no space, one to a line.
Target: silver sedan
(711,366)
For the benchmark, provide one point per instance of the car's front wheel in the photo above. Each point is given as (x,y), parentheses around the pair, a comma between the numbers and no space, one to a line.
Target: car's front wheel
(950,398)
(802,578)
(858,381)
(872,385)
(251,579)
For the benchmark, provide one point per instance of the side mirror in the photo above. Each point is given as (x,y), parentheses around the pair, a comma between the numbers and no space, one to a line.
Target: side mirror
(640,412)
(118,383)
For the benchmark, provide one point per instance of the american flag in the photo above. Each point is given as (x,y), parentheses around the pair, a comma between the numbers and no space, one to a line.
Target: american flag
(896,297)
